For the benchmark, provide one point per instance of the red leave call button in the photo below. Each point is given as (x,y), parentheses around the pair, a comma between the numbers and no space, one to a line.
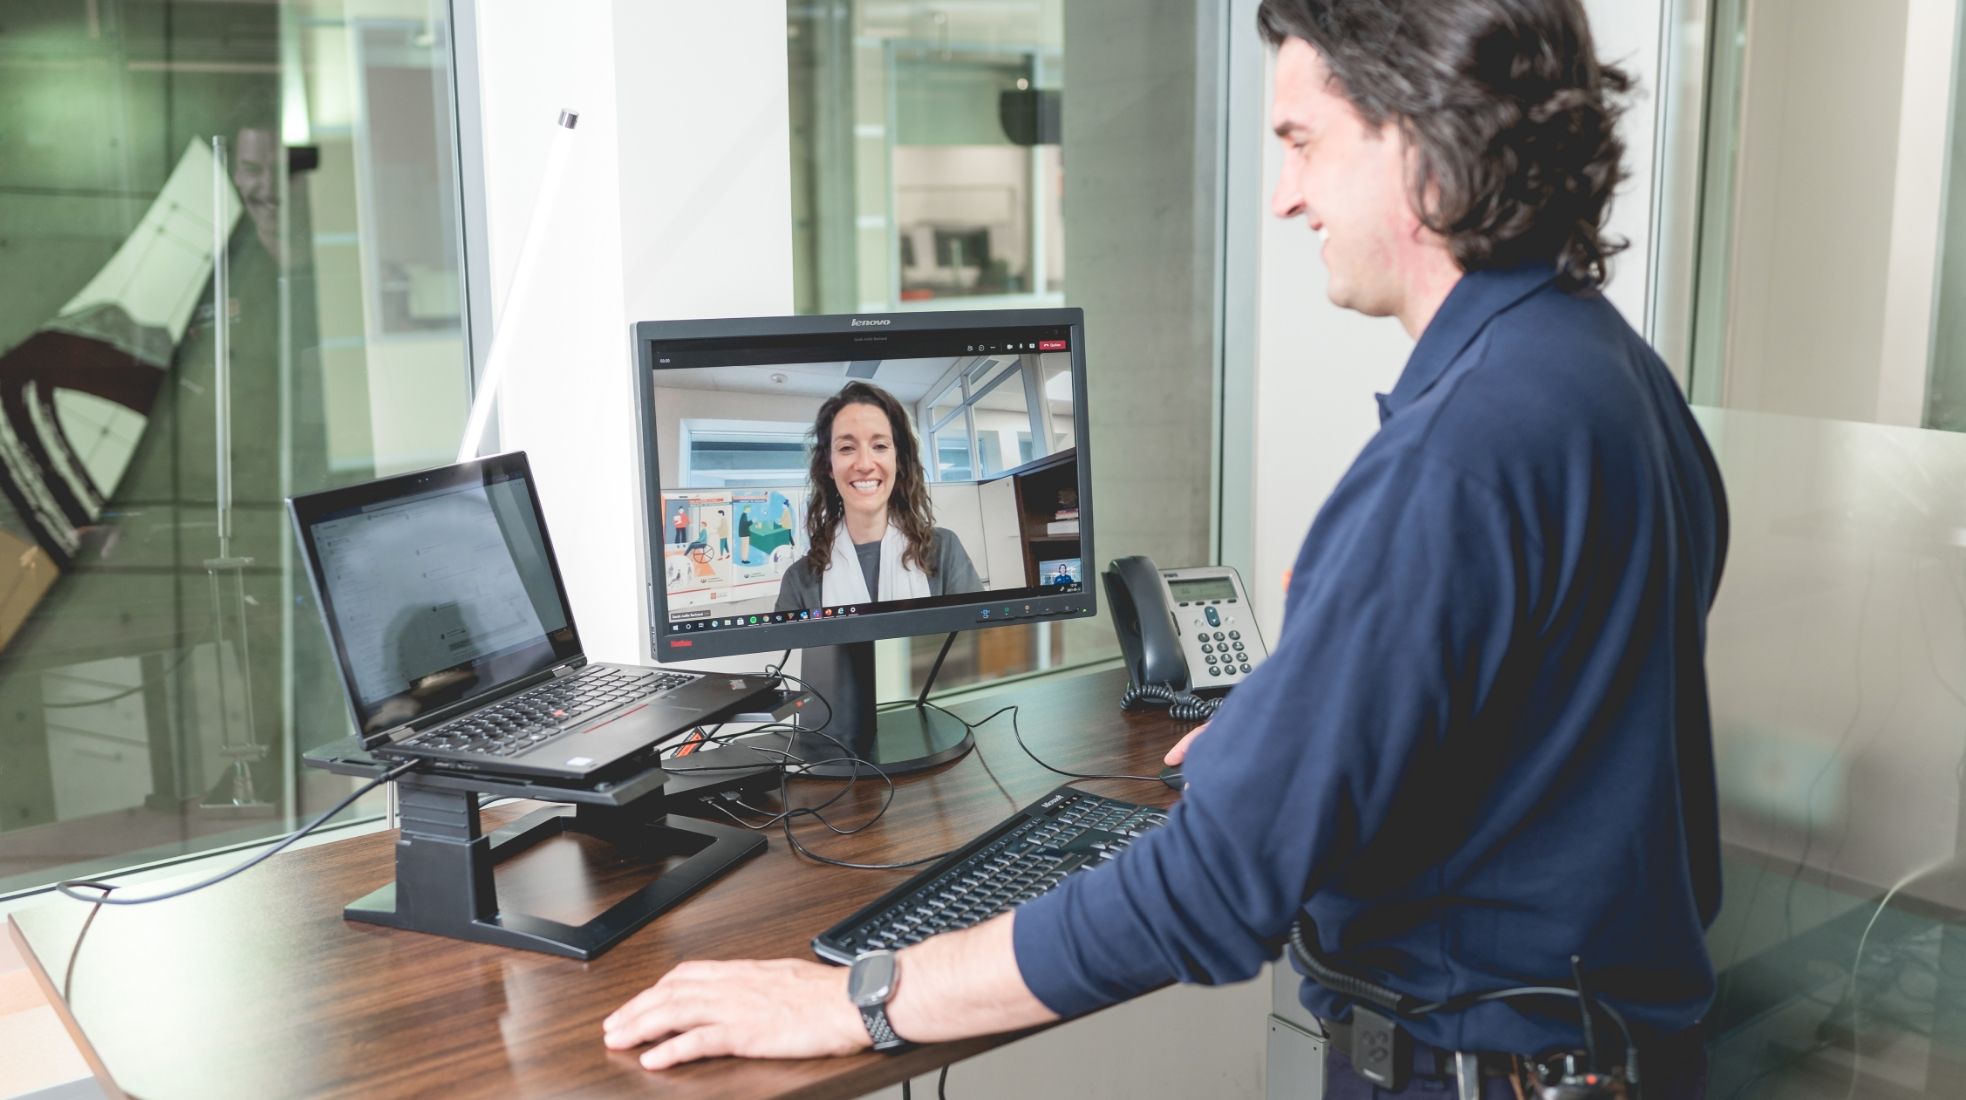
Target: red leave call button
(1051,345)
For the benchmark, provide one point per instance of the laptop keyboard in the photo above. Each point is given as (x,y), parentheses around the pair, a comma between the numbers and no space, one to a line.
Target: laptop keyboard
(545,712)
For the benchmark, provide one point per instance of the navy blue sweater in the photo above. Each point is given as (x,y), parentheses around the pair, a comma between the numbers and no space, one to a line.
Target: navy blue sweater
(1481,743)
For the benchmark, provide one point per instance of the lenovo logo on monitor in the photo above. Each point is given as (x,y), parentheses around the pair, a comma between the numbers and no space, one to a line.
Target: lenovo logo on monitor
(859,323)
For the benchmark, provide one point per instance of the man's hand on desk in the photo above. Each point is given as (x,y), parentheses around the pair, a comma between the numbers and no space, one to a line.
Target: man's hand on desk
(950,987)
(781,1008)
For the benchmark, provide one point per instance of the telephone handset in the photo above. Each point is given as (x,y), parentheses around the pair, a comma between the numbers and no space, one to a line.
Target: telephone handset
(1188,635)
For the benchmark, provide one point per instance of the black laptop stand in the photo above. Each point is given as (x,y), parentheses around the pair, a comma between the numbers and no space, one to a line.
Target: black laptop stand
(444,861)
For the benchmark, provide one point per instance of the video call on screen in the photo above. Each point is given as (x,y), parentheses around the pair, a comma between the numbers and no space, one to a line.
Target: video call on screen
(992,416)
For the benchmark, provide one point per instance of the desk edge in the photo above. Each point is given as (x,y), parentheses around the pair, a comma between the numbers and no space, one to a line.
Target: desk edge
(60,1005)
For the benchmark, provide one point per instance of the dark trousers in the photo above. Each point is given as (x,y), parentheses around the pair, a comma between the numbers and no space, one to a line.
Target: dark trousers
(1672,1070)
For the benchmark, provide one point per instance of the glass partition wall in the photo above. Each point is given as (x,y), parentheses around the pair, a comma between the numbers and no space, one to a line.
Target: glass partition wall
(228,273)
(1824,359)
(1014,153)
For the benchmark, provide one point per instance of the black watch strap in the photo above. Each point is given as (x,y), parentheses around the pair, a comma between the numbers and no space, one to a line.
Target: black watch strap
(882,1032)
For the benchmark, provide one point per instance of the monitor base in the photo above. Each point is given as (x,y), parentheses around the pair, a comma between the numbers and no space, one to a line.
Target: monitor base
(902,740)
(898,741)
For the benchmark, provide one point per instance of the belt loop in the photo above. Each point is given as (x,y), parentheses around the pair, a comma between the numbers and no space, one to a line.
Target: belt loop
(1467,1075)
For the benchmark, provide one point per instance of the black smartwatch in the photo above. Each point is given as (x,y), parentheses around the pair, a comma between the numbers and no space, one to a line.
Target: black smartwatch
(870,984)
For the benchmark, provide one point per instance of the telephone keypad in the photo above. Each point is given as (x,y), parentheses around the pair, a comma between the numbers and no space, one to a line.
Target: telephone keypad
(1211,631)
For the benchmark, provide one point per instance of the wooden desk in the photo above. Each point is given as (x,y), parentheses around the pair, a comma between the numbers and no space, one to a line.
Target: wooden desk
(257,987)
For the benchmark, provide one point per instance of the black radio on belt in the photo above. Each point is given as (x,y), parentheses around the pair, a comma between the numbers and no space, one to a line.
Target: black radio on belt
(1382,1052)
(1563,1078)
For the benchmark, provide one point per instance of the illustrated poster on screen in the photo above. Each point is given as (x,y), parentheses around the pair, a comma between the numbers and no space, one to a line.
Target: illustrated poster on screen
(730,545)
(769,534)
(698,560)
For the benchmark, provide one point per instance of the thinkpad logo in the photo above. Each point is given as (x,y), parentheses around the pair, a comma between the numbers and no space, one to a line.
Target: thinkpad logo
(858,323)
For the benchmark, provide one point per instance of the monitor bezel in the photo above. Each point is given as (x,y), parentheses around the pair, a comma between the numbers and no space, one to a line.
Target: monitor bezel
(307,509)
(666,645)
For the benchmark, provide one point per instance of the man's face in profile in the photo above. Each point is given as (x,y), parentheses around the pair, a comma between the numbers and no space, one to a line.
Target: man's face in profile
(256,156)
(1347,180)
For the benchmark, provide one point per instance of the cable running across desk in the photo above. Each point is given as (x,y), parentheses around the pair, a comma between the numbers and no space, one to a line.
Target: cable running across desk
(68,887)
(784,817)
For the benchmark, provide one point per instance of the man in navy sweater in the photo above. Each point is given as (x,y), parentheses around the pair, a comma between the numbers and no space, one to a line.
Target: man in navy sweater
(1481,745)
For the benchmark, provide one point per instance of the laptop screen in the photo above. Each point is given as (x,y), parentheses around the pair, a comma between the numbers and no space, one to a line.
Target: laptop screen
(436,588)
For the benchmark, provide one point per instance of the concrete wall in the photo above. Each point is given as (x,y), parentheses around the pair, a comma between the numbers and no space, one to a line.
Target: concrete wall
(1142,212)
(1847,339)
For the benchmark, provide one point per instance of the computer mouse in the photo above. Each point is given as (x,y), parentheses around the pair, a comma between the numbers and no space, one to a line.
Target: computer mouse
(1171,776)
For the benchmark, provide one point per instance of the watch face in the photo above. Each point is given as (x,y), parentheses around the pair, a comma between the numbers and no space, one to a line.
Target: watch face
(871,981)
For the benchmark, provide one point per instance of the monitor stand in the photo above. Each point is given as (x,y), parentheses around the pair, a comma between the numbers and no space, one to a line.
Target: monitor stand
(445,883)
(897,740)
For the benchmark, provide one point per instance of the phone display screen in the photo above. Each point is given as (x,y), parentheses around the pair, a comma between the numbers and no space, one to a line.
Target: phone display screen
(1208,588)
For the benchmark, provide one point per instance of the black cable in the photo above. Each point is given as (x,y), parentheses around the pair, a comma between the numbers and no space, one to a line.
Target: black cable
(906,1092)
(1406,1006)
(1584,1001)
(847,755)
(942,1084)
(785,817)
(1182,706)
(68,887)
(1017,732)
(68,975)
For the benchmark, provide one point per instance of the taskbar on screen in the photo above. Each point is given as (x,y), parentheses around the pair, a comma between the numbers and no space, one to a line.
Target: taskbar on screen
(1010,605)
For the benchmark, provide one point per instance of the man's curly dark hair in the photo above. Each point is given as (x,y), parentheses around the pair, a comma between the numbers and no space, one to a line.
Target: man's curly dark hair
(1512,118)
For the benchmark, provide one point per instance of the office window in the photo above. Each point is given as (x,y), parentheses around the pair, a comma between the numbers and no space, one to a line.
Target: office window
(1007,154)
(744,453)
(1826,264)
(162,665)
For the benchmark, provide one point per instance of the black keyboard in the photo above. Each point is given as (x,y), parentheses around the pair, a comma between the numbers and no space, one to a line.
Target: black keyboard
(1028,853)
(517,724)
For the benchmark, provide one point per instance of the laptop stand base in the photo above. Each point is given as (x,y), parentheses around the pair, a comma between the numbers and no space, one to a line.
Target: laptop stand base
(444,883)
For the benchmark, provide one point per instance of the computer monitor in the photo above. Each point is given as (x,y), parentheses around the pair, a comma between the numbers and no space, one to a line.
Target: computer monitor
(973,511)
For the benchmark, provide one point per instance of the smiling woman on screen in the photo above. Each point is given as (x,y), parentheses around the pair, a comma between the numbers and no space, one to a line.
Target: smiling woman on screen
(871,527)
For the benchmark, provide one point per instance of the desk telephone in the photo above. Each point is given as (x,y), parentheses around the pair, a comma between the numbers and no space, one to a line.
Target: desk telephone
(1188,635)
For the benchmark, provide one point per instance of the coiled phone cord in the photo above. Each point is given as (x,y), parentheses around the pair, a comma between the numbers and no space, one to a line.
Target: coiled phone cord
(1182,706)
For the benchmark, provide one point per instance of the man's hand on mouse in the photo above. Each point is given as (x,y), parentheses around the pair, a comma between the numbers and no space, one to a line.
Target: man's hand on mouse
(1179,752)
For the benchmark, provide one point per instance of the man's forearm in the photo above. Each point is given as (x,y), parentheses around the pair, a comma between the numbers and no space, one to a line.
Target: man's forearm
(964,984)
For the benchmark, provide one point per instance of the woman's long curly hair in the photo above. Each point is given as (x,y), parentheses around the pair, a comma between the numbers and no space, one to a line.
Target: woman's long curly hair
(1511,116)
(908,506)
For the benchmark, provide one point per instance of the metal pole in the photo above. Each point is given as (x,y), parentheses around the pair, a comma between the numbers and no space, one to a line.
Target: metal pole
(246,749)
(222,344)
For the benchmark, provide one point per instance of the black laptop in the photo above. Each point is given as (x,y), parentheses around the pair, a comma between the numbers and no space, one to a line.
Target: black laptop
(449,621)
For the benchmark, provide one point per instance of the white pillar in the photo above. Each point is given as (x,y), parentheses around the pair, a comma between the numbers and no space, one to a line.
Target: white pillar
(677,203)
